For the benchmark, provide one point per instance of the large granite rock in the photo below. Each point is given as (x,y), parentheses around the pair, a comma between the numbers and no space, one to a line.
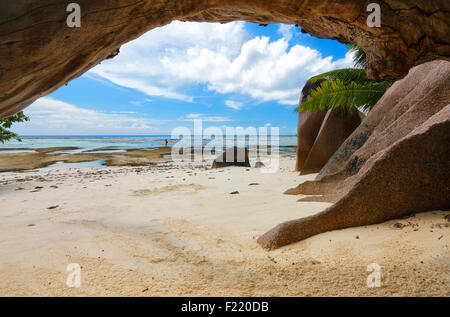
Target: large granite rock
(394,164)
(406,105)
(232,156)
(39,53)
(335,129)
(412,175)
(308,127)
(320,133)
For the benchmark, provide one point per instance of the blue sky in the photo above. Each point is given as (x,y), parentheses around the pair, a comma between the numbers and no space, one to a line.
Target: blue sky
(234,74)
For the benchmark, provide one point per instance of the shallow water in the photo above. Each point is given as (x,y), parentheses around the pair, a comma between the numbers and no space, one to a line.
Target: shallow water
(117,144)
(62,165)
(16,151)
(103,151)
(90,143)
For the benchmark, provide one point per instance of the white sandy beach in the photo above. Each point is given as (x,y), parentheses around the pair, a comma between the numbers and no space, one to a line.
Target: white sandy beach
(173,231)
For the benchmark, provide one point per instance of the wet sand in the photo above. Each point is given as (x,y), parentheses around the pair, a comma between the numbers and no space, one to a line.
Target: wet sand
(44,157)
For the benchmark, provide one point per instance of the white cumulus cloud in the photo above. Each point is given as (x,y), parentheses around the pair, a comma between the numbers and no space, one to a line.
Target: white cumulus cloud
(201,116)
(236,105)
(167,60)
(51,116)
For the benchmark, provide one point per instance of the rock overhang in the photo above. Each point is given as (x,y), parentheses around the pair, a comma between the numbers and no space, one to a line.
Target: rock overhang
(39,53)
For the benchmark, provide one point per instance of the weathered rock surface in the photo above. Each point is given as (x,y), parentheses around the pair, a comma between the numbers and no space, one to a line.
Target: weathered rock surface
(308,127)
(320,133)
(406,105)
(395,163)
(334,130)
(232,157)
(412,175)
(39,53)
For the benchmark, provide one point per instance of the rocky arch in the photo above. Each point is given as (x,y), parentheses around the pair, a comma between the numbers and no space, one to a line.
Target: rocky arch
(39,53)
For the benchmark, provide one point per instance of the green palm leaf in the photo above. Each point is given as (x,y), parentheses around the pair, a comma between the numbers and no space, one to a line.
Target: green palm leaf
(346,75)
(335,94)
(347,89)
(360,56)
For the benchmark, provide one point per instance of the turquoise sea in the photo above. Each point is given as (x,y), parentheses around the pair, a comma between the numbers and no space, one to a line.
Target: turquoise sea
(111,143)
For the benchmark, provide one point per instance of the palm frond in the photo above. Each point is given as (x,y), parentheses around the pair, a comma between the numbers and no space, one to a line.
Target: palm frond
(346,75)
(335,94)
(360,56)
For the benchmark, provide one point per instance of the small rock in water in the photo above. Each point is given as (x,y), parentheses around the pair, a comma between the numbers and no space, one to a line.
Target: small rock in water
(259,164)
(234,193)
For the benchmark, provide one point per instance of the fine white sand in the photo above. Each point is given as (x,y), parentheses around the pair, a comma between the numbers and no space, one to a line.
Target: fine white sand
(166,230)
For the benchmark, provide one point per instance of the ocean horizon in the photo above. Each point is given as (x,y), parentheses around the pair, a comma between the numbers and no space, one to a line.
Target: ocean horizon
(115,142)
